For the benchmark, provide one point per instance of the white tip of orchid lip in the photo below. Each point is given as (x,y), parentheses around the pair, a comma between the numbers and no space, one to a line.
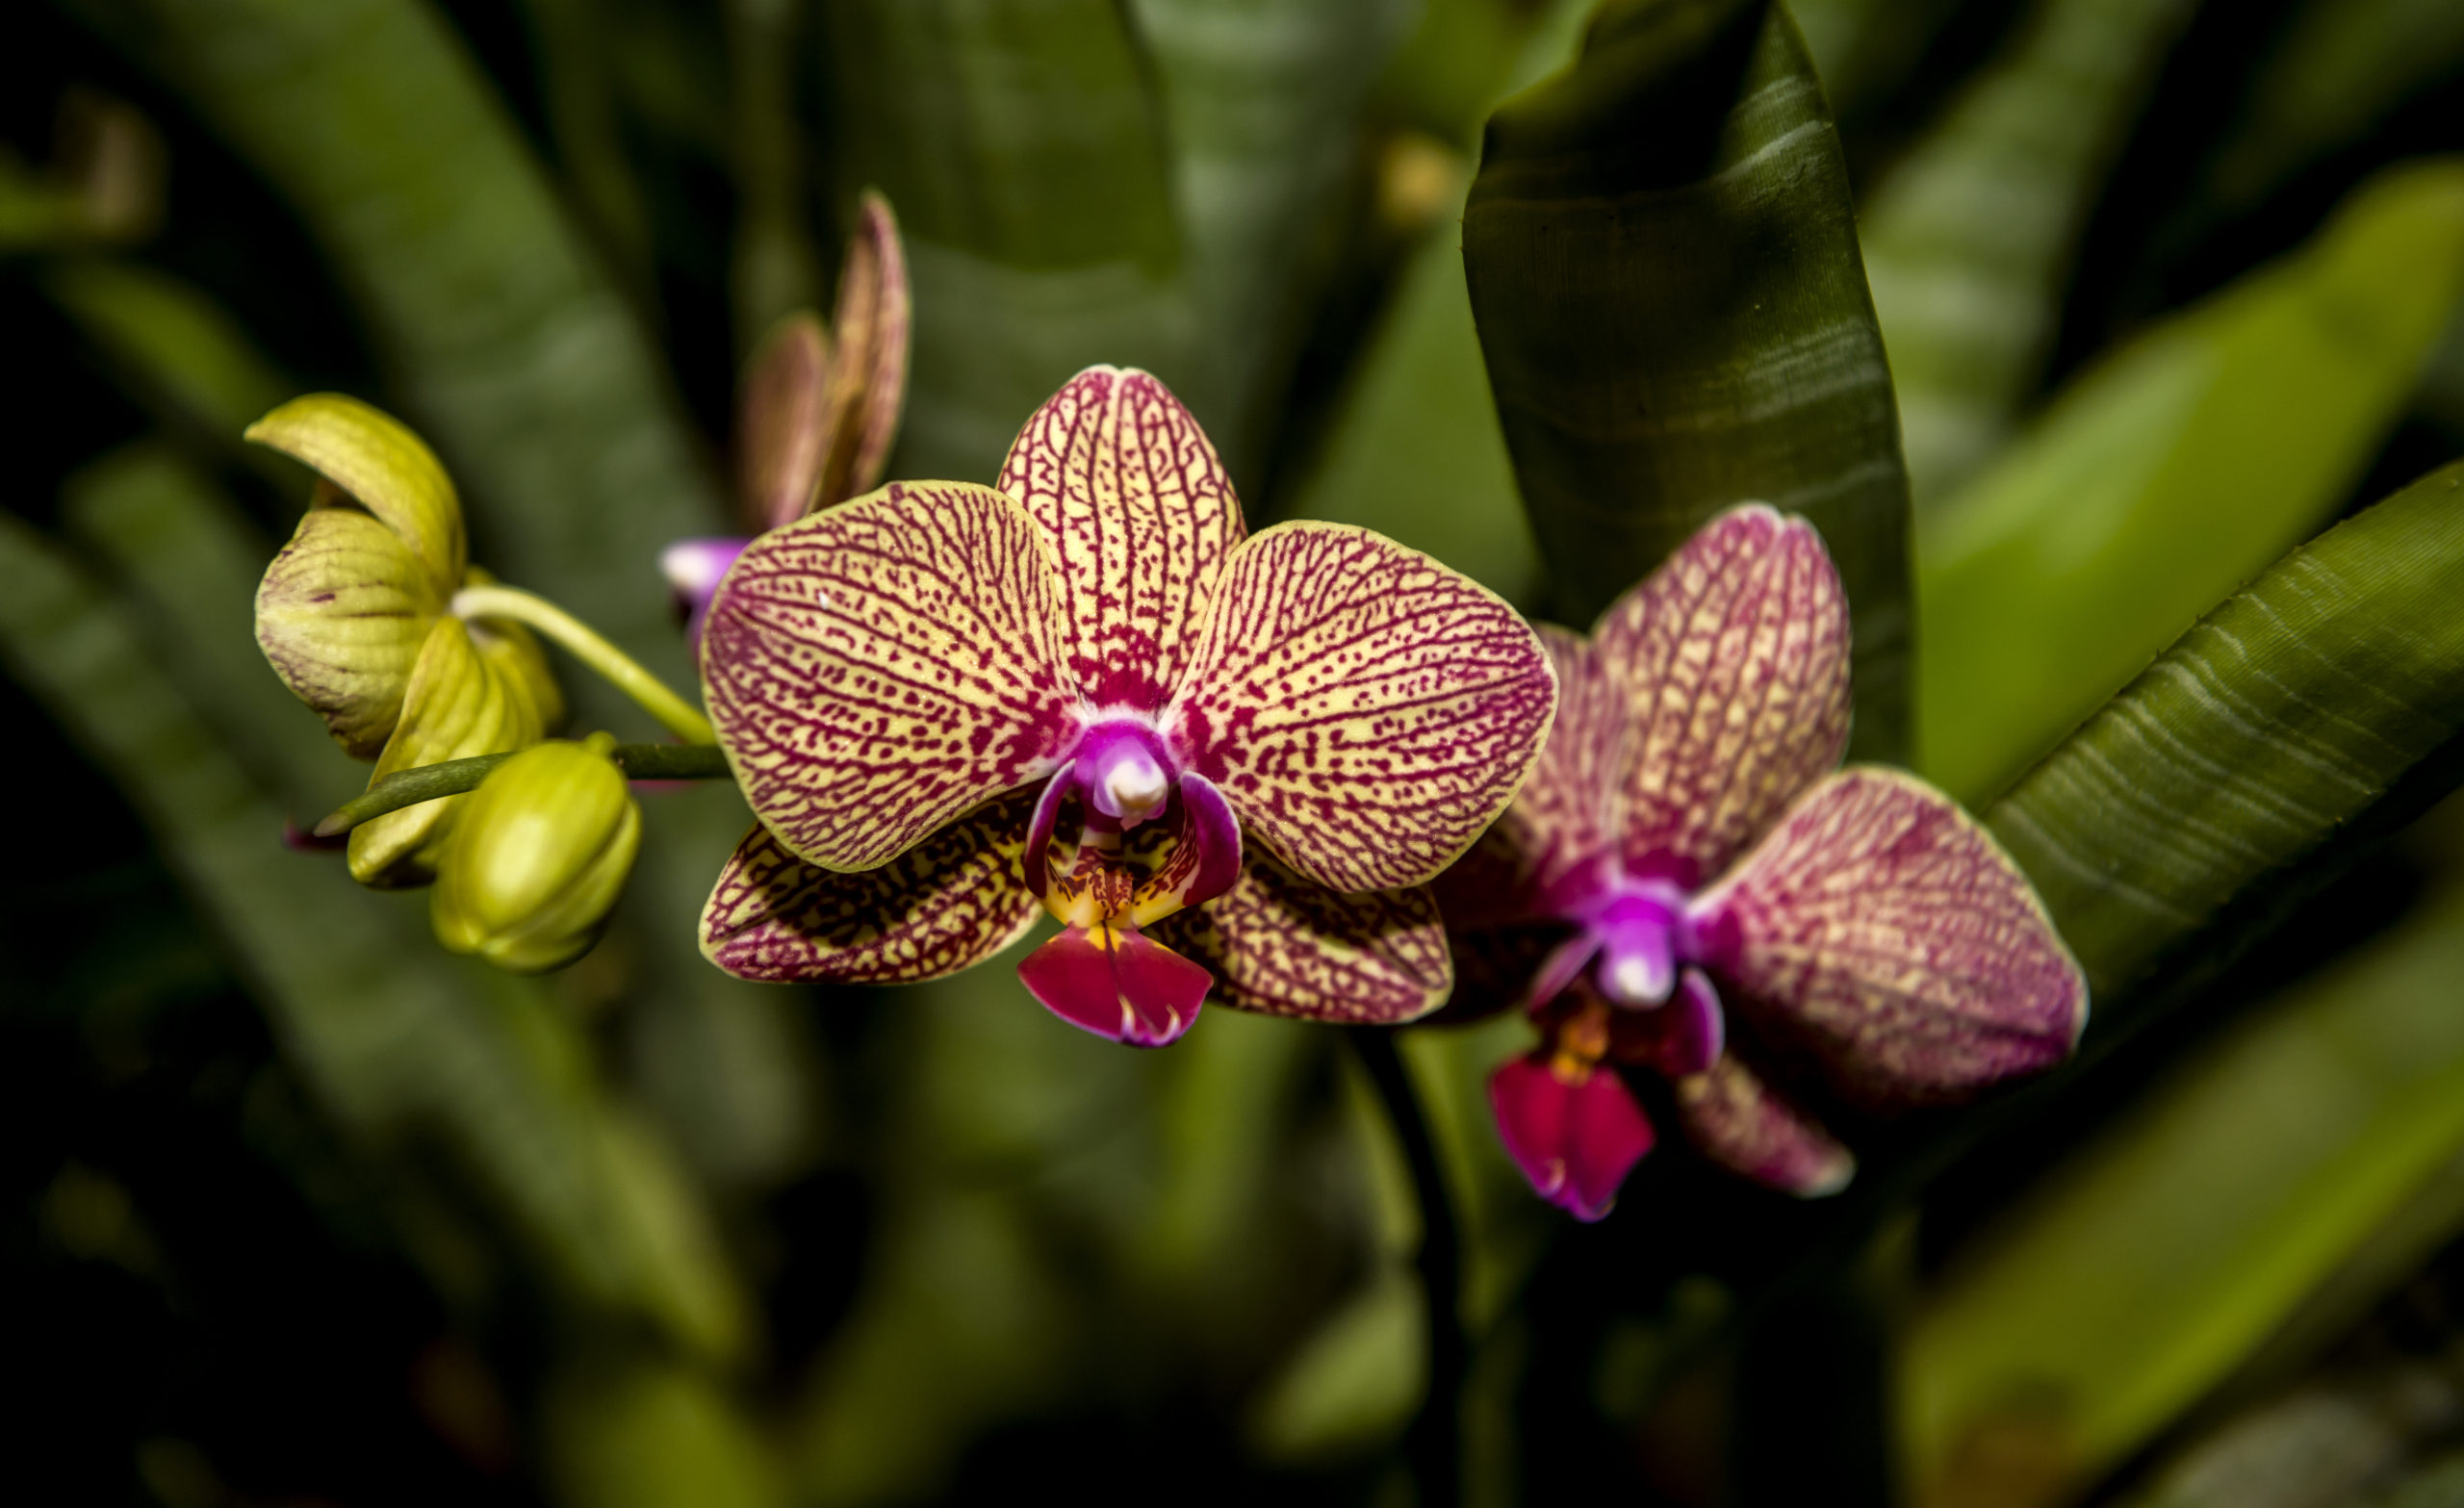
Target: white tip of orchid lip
(1135,787)
(1633,979)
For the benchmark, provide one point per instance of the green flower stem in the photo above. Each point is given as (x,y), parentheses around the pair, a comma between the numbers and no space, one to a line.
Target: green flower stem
(676,714)
(453,777)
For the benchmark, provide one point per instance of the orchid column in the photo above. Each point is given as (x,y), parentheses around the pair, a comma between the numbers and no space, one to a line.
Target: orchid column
(950,705)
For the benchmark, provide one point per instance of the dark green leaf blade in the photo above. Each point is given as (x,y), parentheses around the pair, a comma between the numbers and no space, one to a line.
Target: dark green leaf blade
(2280,721)
(1663,264)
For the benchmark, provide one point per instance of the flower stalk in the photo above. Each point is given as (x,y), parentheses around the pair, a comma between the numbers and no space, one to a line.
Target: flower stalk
(510,604)
(454,777)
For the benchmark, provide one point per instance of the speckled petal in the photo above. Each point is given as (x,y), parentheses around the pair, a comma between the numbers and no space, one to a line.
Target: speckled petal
(1734,658)
(872,323)
(877,670)
(1282,946)
(1566,814)
(1368,710)
(1881,924)
(1140,515)
(1737,1121)
(1575,1141)
(947,904)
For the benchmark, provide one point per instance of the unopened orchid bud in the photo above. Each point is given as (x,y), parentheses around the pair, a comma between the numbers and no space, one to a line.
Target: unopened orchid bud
(459,704)
(537,856)
(344,610)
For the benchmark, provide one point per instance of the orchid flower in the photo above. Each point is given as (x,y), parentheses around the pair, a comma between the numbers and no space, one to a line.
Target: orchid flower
(1686,844)
(950,705)
(818,410)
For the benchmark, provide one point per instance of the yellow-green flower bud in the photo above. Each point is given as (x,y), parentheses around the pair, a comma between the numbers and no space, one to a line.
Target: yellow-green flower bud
(537,856)
(458,704)
(344,610)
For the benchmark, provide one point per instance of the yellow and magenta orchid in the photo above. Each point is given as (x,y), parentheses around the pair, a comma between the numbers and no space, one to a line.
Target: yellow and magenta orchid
(949,705)
(1686,839)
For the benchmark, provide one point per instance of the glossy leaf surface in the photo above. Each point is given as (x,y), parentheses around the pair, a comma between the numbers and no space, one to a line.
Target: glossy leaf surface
(2171,473)
(2280,719)
(1663,265)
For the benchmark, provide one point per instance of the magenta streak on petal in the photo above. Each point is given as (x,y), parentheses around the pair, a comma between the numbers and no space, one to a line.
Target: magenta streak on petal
(1576,1142)
(1037,861)
(693,568)
(1117,984)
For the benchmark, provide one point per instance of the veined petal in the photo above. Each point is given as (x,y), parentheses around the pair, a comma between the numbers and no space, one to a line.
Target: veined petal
(1284,946)
(945,905)
(1368,709)
(459,704)
(1880,922)
(1576,1141)
(780,436)
(1567,810)
(1734,658)
(385,468)
(1737,1121)
(877,670)
(341,615)
(1140,515)
(1117,985)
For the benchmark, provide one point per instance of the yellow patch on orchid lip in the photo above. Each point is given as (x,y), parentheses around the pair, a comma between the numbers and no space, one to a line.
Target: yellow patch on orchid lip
(341,615)
(383,466)
(458,705)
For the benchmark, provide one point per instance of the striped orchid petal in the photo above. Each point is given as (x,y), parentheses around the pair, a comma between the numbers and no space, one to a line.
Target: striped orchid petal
(876,670)
(1733,1118)
(1880,922)
(1368,710)
(945,905)
(1140,515)
(1734,656)
(781,432)
(1281,945)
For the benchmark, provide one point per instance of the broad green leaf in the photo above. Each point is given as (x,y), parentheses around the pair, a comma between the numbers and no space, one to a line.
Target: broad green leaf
(1970,242)
(172,340)
(1663,261)
(401,1042)
(1022,142)
(1866,49)
(509,348)
(2172,472)
(1415,451)
(650,1432)
(2331,78)
(2195,1224)
(2275,725)
(1264,100)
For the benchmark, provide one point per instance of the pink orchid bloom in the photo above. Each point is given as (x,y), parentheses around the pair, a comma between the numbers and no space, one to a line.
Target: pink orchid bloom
(1688,839)
(950,705)
(818,410)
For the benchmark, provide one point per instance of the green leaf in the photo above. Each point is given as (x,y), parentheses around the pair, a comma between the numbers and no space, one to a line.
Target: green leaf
(510,350)
(1866,49)
(1415,451)
(1662,260)
(1970,242)
(401,1042)
(2277,724)
(1022,144)
(2172,472)
(171,342)
(1265,101)
(2194,1225)
(646,1432)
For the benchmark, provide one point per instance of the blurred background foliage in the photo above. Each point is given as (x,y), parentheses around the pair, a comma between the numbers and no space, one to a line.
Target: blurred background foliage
(302,1209)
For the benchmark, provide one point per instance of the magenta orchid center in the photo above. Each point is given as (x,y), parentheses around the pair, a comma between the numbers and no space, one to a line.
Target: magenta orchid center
(1122,771)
